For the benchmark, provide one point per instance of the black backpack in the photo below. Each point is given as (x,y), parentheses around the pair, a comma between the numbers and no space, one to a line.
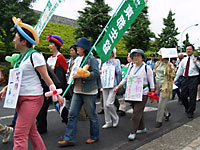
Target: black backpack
(52,75)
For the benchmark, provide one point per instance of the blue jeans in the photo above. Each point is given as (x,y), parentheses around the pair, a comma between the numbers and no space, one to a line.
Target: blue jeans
(89,102)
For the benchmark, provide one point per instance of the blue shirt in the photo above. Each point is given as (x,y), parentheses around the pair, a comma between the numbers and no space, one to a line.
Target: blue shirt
(151,63)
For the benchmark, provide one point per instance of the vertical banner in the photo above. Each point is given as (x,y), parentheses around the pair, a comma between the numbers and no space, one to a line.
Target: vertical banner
(134,88)
(46,15)
(123,19)
(12,93)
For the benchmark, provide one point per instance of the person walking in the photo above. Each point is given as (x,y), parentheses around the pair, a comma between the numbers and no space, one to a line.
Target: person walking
(164,74)
(30,97)
(123,104)
(110,69)
(152,61)
(6,133)
(138,69)
(58,64)
(85,93)
(189,69)
(177,89)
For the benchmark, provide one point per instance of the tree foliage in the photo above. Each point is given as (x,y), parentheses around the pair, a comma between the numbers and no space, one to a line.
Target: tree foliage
(93,18)
(167,38)
(139,34)
(18,8)
(64,31)
(186,41)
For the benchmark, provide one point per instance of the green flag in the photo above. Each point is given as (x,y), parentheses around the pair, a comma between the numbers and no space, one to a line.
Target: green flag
(120,23)
(46,15)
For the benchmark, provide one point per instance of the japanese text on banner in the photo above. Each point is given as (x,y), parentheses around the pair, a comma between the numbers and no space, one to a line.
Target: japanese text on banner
(46,15)
(124,18)
(14,84)
(134,89)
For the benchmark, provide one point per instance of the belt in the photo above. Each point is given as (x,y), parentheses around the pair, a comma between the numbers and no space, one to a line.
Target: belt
(189,77)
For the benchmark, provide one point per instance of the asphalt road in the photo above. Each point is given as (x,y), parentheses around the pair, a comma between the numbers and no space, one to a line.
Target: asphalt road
(110,139)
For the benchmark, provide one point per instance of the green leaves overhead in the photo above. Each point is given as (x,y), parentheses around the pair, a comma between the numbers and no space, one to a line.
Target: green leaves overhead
(168,36)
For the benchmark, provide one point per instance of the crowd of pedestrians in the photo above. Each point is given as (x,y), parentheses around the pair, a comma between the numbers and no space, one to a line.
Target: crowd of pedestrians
(140,78)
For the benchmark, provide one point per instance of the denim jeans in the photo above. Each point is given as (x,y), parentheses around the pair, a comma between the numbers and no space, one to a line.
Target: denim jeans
(89,102)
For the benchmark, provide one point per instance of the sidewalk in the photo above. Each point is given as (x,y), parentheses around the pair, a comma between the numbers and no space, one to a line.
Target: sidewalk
(186,137)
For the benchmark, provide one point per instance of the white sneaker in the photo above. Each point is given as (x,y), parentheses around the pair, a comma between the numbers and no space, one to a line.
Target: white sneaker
(107,125)
(116,122)
(131,136)
(6,136)
(141,131)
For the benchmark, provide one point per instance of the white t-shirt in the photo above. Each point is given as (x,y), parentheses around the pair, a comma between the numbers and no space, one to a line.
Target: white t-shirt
(30,84)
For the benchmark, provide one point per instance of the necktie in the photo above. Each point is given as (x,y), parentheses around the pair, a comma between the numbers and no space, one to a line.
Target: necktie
(187,67)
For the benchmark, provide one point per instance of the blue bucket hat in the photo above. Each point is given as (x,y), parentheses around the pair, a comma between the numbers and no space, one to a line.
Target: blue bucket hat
(133,51)
(84,43)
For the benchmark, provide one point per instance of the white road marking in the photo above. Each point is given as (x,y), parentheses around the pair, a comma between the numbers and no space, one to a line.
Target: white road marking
(146,109)
(11,116)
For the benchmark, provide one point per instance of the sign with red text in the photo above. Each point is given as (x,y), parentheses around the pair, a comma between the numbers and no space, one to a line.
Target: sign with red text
(108,76)
(134,88)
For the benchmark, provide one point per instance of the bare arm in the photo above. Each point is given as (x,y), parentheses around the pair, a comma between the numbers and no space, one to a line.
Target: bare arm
(117,88)
(44,74)
(3,91)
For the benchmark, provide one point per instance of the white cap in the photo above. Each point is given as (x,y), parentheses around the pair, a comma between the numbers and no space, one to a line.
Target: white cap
(160,51)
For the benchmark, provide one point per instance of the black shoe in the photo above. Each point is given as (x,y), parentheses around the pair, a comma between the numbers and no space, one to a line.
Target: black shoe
(190,115)
(101,111)
(167,117)
(64,115)
(11,125)
(158,124)
(121,113)
(180,102)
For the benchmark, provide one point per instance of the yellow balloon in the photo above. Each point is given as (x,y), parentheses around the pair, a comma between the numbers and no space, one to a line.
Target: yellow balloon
(26,26)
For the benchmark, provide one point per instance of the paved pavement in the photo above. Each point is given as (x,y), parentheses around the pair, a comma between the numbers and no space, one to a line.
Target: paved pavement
(185,137)
(179,133)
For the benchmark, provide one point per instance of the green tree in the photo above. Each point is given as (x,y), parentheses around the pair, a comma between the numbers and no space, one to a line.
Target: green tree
(92,19)
(168,36)
(139,34)
(186,41)
(18,8)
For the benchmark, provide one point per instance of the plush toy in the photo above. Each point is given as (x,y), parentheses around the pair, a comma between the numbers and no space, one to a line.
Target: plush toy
(84,71)
(12,59)
(153,96)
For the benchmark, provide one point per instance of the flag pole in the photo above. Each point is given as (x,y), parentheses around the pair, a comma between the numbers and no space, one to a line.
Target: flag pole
(95,44)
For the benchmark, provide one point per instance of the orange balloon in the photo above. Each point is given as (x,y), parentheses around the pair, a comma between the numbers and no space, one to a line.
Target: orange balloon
(86,74)
(86,67)
(80,70)
(84,71)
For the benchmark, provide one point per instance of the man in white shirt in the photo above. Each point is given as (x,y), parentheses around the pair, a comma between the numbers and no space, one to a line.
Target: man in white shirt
(189,68)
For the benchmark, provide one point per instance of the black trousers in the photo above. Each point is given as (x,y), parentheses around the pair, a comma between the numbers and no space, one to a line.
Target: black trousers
(42,116)
(189,87)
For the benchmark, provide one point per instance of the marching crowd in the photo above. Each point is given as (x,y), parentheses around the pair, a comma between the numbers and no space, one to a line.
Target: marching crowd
(141,77)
